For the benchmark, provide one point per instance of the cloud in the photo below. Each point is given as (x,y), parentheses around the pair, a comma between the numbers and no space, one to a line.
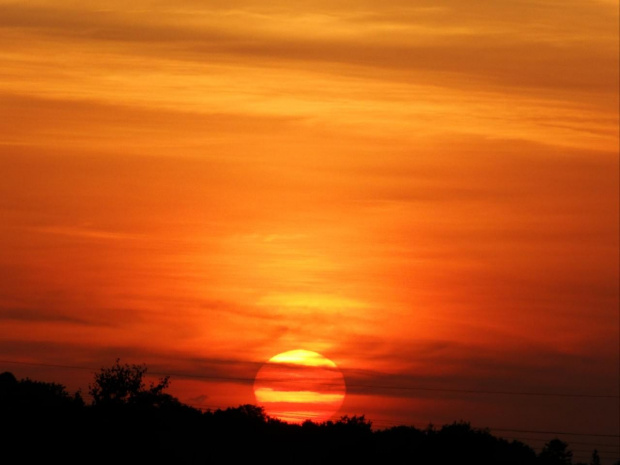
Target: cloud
(198,399)
(458,369)
(32,315)
(85,233)
(450,45)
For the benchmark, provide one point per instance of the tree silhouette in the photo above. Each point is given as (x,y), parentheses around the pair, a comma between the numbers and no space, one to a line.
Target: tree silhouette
(356,423)
(595,460)
(556,452)
(29,395)
(124,385)
(129,422)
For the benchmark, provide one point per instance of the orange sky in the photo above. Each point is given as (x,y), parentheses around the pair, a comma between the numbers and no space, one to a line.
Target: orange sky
(424,192)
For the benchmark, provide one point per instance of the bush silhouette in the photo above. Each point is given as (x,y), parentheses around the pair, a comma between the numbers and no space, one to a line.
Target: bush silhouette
(555,452)
(124,384)
(131,421)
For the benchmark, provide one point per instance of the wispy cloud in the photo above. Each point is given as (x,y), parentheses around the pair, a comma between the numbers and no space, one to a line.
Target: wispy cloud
(85,233)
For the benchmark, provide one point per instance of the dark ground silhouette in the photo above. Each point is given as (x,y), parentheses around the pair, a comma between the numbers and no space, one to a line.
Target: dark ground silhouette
(129,422)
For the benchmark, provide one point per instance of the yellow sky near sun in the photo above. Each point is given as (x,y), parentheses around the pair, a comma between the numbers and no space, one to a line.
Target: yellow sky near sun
(370,181)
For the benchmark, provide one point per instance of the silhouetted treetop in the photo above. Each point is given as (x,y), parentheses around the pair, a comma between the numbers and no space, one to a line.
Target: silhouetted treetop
(27,394)
(556,452)
(130,422)
(124,384)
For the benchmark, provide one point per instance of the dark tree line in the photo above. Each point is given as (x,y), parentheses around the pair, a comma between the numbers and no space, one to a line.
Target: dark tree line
(130,422)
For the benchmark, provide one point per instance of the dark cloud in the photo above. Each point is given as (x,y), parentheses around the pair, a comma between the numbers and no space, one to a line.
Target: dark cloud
(483,46)
(33,315)
(449,368)
(74,356)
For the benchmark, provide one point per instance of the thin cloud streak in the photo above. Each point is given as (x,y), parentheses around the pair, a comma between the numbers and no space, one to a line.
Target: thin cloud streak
(477,49)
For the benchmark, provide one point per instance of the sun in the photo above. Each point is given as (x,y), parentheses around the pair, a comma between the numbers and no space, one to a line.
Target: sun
(300,385)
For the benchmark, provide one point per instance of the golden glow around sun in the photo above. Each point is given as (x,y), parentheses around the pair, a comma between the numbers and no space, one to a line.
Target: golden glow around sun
(302,357)
(300,385)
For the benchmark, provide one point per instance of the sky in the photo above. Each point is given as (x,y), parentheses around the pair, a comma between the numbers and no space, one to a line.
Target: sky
(425,193)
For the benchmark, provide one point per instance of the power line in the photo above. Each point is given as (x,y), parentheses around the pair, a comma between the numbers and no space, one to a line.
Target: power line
(602,453)
(572,442)
(52,365)
(245,379)
(590,450)
(555,432)
(351,385)
(617,436)
(303,416)
(479,391)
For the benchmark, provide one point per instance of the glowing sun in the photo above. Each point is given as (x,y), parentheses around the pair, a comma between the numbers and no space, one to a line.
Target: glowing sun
(299,385)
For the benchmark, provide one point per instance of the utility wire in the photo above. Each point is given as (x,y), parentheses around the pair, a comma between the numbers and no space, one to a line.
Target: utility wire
(350,385)
(572,442)
(555,432)
(479,391)
(244,379)
(385,422)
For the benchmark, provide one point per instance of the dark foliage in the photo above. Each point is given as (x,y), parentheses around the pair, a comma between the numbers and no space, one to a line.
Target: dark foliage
(556,452)
(131,423)
(123,385)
